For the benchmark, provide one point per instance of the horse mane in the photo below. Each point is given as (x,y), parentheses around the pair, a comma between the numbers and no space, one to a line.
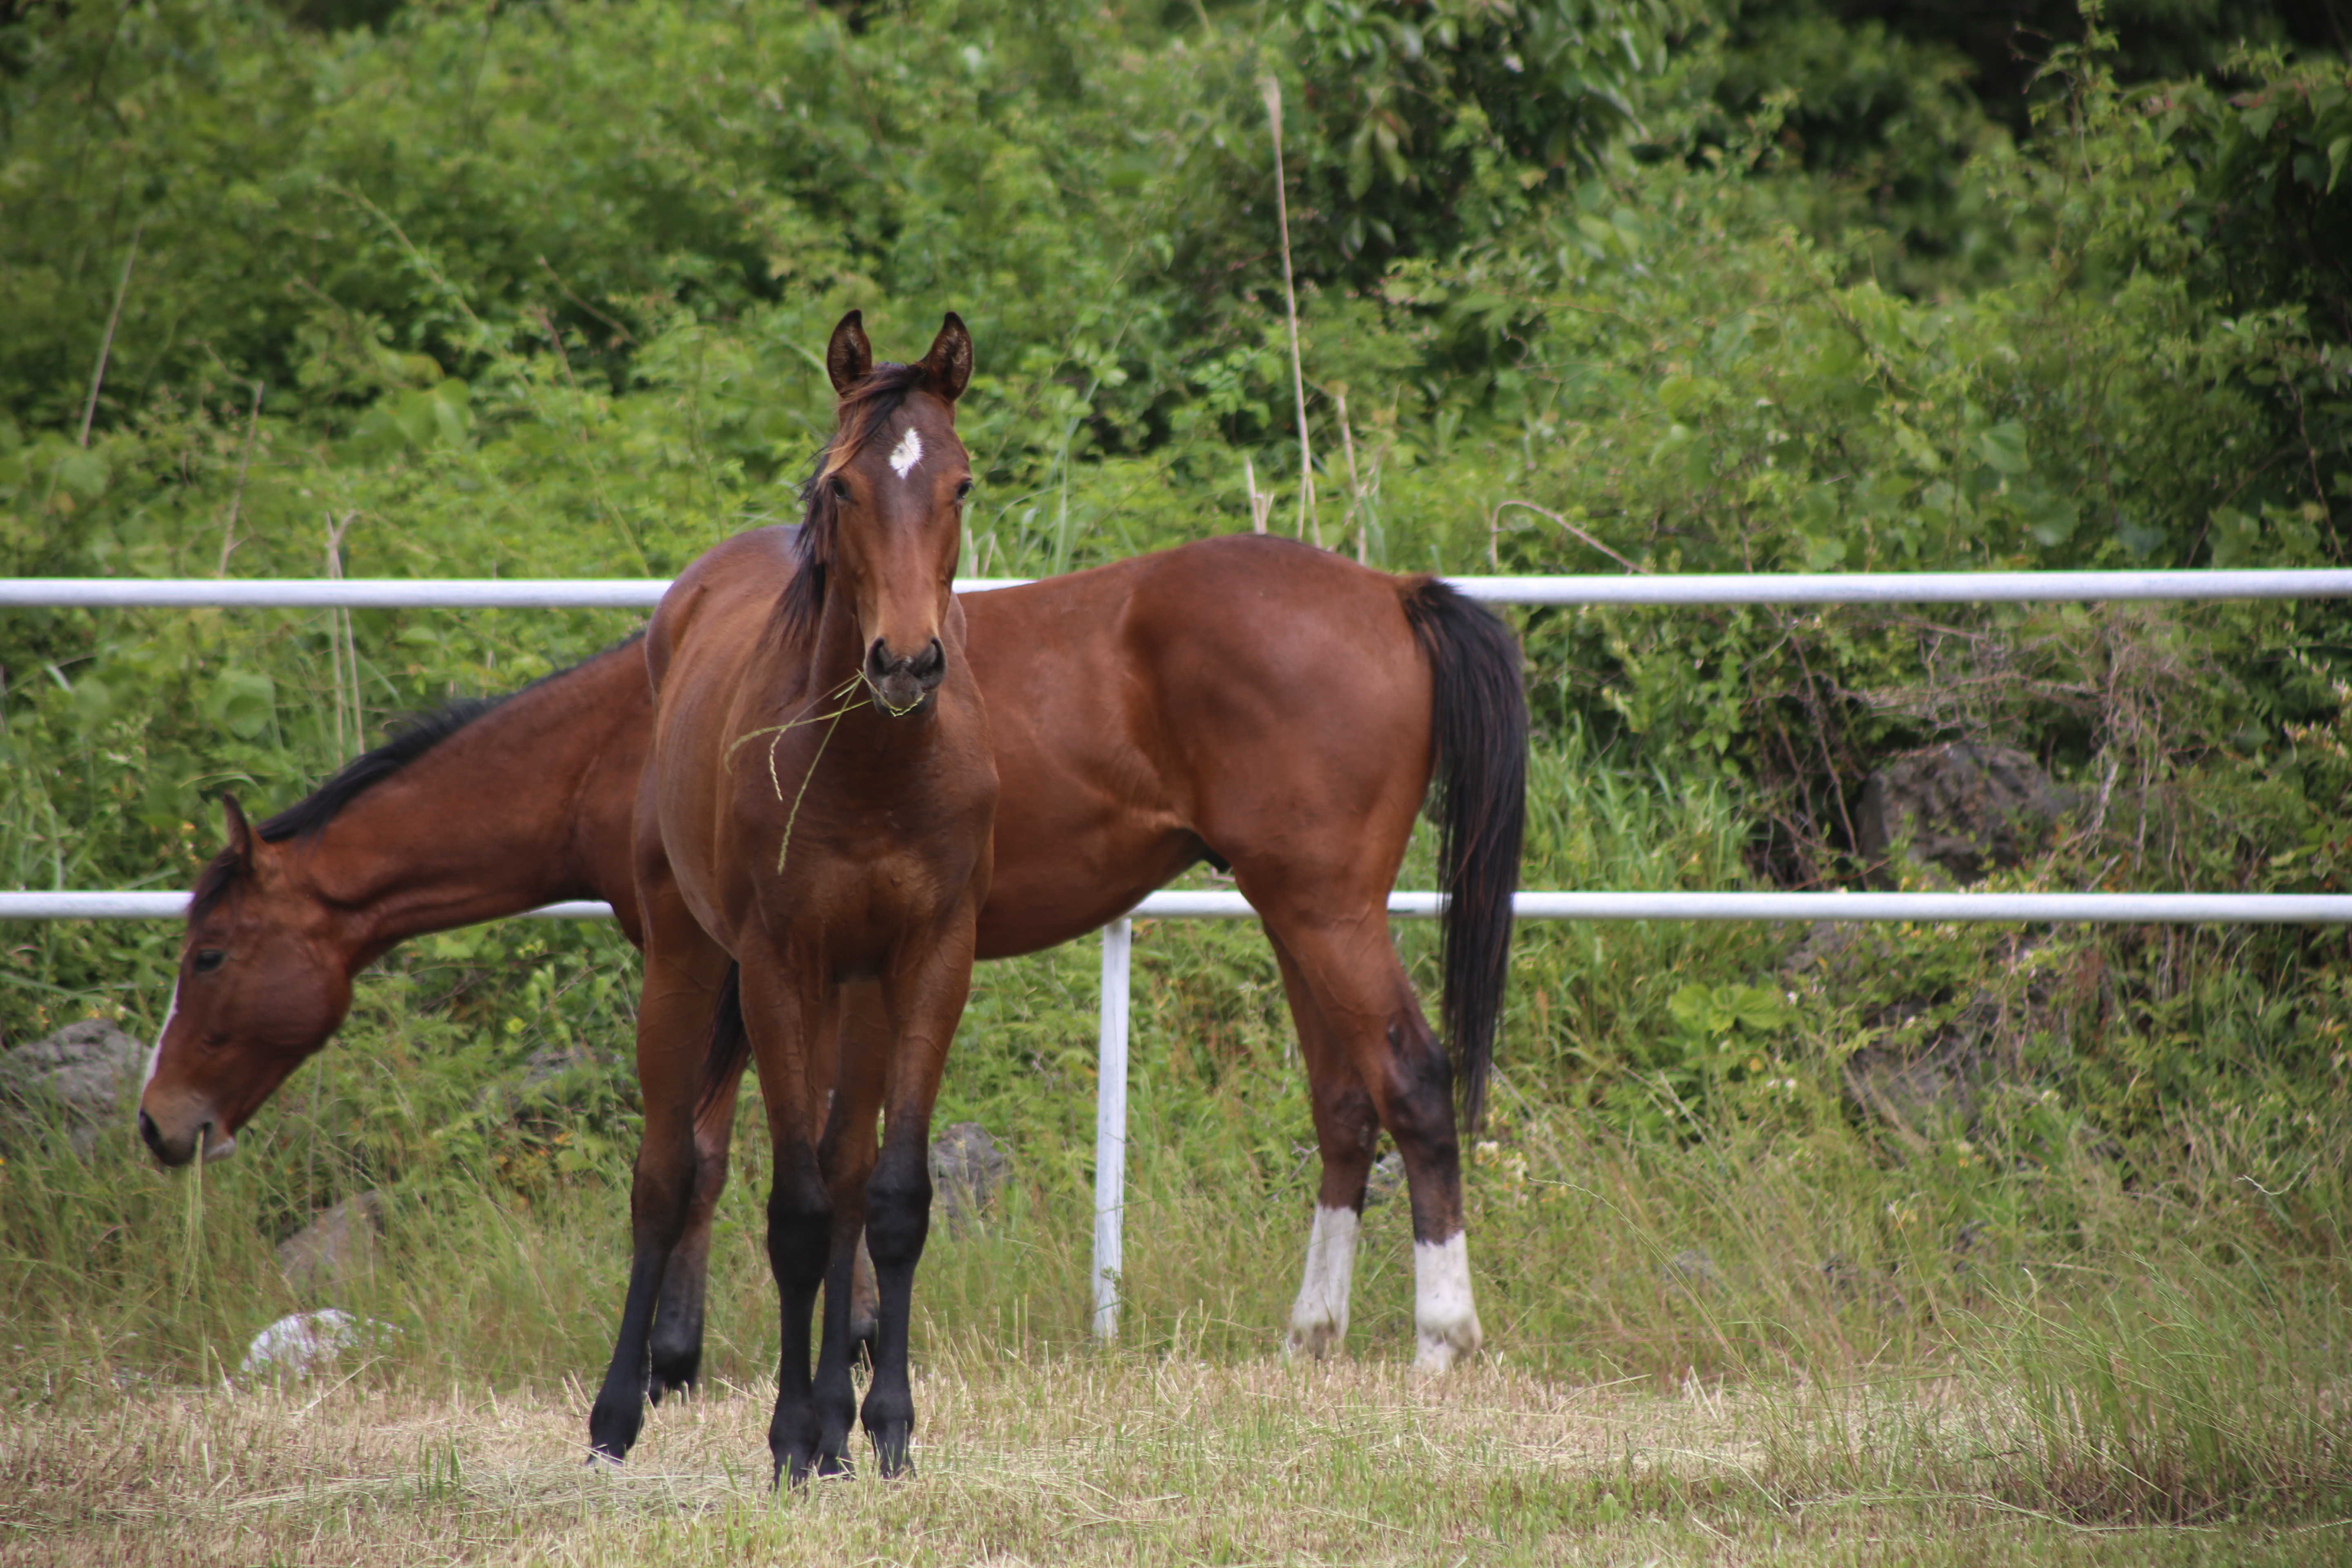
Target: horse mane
(308,817)
(859,416)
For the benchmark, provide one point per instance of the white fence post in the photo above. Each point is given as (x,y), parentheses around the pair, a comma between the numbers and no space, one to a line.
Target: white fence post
(1110,1128)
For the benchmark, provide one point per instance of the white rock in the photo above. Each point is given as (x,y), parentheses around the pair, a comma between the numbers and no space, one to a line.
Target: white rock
(296,1345)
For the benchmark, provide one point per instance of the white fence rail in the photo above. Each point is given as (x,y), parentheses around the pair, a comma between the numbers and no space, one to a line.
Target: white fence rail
(1759,588)
(1110,1112)
(2109,909)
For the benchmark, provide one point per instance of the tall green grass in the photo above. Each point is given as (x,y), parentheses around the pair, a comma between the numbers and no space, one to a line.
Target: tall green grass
(2020,1309)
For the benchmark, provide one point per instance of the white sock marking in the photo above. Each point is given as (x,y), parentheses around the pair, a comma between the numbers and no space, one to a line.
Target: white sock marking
(1319,1321)
(907,453)
(1442,1310)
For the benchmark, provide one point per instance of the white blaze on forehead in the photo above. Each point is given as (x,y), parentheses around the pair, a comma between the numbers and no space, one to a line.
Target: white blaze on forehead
(155,1056)
(907,453)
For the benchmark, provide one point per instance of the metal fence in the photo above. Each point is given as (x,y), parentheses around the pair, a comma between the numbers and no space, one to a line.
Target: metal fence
(1633,589)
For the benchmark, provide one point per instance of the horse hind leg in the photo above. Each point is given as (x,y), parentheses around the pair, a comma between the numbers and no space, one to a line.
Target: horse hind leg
(865,1305)
(1351,972)
(1346,1128)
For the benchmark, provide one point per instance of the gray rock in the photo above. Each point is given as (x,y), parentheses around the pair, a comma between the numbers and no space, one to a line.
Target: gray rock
(968,1169)
(1832,948)
(549,1063)
(335,1248)
(1691,1272)
(87,1073)
(1848,1284)
(1970,1247)
(1963,807)
(1938,1081)
(1929,1089)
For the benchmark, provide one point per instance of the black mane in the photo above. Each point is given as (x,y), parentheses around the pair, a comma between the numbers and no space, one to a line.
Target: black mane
(308,817)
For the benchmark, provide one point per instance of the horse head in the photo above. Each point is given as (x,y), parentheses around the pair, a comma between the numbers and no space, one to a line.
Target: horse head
(886,510)
(261,985)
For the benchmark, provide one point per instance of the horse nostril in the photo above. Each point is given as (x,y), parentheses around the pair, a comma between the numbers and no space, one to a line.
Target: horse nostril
(151,1135)
(931,663)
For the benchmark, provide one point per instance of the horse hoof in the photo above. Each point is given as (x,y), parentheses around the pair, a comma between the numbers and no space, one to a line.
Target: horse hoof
(893,1447)
(1444,1346)
(612,1432)
(1314,1340)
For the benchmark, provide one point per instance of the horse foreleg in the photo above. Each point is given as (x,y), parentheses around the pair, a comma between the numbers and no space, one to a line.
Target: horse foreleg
(799,1230)
(861,1036)
(1346,1130)
(677,1317)
(673,1017)
(927,996)
(783,1015)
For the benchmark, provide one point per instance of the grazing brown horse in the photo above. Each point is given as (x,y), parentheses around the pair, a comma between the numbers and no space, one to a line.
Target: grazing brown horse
(1246,699)
(817,814)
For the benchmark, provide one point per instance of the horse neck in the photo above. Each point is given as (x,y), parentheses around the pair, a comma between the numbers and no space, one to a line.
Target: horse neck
(482,826)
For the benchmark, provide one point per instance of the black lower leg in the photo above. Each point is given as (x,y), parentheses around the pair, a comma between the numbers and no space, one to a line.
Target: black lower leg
(898,1222)
(658,1197)
(836,1397)
(677,1358)
(619,1414)
(799,1226)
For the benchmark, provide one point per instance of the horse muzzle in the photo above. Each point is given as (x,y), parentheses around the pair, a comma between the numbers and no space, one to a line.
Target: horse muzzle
(903,684)
(174,1149)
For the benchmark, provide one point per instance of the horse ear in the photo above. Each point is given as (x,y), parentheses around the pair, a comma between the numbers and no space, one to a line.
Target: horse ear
(849,356)
(948,366)
(241,838)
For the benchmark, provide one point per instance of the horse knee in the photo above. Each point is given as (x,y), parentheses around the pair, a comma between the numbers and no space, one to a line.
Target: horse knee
(897,1215)
(800,1232)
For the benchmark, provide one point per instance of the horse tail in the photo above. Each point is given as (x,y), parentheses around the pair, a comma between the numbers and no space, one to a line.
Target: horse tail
(730,1044)
(1478,719)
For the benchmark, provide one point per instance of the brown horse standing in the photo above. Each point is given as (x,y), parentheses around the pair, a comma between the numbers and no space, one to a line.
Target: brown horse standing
(818,810)
(1245,699)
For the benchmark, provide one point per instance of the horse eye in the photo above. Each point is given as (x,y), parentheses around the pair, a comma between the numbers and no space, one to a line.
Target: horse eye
(963,490)
(209,959)
(840,490)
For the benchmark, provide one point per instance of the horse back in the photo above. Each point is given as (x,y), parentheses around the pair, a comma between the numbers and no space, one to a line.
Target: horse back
(1248,695)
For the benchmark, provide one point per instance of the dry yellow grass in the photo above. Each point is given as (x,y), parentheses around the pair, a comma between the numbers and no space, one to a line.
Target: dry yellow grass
(1090,1460)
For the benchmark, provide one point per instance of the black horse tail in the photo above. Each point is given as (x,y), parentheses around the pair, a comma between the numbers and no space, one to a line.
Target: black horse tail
(1478,719)
(722,1059)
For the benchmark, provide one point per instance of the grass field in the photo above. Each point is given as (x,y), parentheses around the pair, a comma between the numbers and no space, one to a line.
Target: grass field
(1078,1459)
(1834,1383)
(1728,1318)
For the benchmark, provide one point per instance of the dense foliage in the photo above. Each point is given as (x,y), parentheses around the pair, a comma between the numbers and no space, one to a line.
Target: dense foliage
(1583,285)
